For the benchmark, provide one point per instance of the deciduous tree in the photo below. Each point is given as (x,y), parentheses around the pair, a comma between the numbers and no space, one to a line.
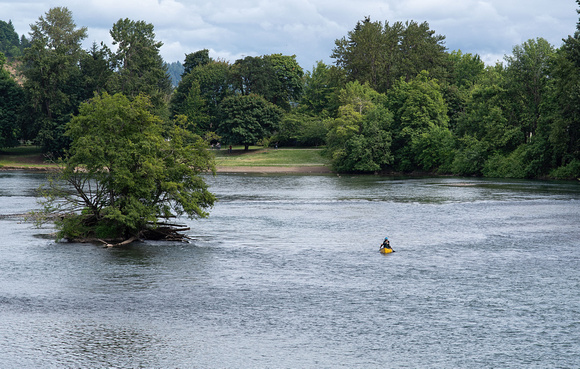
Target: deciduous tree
(359,139)
(420,126)
(126,174)
(11,105)
(276,77)
(212,82)
(246,119)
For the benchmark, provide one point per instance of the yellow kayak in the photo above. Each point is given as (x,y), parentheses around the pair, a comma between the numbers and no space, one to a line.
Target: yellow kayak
(386,251)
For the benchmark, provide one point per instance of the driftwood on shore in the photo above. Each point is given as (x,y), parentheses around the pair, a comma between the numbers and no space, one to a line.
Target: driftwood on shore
(126,242)
(161,232)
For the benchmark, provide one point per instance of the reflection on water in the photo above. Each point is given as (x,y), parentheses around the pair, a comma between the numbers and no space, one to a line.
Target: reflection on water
(286,273)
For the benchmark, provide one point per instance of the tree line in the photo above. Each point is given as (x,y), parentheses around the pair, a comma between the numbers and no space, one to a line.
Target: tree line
(394,100)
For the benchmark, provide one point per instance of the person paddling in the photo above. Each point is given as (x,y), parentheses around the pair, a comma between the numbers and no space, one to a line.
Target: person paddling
(386,244)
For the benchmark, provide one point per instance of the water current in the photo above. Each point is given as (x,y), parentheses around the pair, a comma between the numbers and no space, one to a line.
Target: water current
(286,273)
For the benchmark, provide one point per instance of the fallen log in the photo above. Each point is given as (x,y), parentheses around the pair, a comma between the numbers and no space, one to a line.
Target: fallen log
(123,243)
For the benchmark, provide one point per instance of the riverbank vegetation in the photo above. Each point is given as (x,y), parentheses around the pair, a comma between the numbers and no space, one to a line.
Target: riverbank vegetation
(395,99)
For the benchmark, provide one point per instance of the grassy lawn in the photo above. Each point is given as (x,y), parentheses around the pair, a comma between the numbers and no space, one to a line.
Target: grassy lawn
(22,156)
(258,156)
(31,156)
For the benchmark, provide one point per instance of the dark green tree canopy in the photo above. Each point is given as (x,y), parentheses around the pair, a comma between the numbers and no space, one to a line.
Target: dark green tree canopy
(359,139)
(380,54)
(276,77)
(126,172)
(52,74)
(196,59)
(138,64)
(96,70)
(246,119)
(212,83)
(420,123)
(9,41)
(12,102)
(319,95)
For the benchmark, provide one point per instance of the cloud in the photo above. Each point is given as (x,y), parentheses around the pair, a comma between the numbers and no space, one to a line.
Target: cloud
(232,29)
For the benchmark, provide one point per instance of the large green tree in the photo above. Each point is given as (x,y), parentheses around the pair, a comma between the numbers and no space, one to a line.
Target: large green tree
(52,74)
(9,41)
(482,128)
(564,133)
(196,59)
(276,77)
(464,71)
(200,93)
(527,76)
(11,104)
(124,172)
(138,63)
(421,136)
(359,139)
(96,71)
(320,93)
(380,54)
(247,119)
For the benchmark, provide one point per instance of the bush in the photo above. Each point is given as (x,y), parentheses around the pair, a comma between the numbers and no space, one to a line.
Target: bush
(568,171)
(511,166)
(470,159)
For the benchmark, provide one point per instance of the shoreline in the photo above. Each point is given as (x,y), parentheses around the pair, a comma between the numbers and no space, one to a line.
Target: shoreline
(219,169)
(276,169)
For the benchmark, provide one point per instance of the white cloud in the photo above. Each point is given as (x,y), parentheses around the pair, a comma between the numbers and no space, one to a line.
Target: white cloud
(232,29)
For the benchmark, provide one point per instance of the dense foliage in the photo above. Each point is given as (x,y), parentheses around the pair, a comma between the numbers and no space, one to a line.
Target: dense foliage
(395,99)
(11,104)
(246,119)
(52,75)
(10,44)
(128,171)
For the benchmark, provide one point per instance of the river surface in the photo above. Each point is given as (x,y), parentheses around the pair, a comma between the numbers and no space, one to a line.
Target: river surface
(286,273)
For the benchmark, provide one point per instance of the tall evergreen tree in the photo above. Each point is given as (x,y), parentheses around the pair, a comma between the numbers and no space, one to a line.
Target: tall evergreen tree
(9,41)
(139,68)
(11,105)
(381,54)
(52,74)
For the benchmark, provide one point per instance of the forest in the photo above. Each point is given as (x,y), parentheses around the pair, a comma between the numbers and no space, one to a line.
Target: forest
(395,99)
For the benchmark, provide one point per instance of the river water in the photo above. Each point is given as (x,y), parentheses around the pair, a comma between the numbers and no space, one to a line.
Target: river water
(286,273)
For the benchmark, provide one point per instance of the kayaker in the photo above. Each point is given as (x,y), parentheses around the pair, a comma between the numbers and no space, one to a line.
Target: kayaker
(386,244)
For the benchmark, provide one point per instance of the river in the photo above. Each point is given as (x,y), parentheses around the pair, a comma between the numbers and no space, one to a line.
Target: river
(286,273)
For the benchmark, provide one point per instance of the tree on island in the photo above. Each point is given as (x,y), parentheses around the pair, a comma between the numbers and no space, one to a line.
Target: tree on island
(123,174)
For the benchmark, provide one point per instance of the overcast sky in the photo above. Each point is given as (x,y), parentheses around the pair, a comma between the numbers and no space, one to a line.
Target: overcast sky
(233,29)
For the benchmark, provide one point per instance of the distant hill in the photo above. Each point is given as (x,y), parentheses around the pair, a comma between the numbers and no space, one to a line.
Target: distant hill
(175,70)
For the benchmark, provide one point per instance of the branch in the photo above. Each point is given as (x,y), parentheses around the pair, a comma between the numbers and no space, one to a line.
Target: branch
(126,242)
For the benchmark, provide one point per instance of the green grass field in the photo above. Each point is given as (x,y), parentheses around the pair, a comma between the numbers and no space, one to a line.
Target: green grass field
(23,156)
(258,156)
(31,156)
